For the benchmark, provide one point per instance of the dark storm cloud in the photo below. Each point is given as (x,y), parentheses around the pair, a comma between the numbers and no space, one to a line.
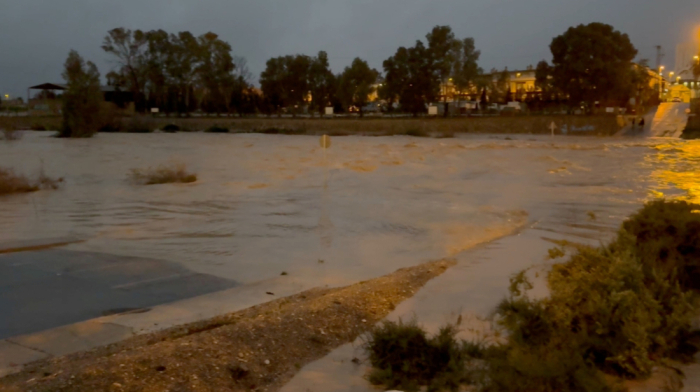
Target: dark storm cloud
(36,35)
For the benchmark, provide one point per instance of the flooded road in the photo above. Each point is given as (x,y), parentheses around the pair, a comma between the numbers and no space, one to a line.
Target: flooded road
(264,204)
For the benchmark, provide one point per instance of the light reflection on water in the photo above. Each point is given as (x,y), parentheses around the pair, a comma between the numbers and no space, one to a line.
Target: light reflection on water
(678,174)
(266,204)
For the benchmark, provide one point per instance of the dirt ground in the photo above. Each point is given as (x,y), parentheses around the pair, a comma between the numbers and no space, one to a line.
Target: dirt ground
(257,349)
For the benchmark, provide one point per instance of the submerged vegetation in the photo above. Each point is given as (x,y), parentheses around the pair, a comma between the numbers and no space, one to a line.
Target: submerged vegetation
(15,183)
(162,175)
(613,312)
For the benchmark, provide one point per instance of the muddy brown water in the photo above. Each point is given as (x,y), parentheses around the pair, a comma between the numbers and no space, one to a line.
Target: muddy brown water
(268,204)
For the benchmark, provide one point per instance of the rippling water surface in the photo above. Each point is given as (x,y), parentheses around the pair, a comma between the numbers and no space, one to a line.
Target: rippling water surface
(267,204)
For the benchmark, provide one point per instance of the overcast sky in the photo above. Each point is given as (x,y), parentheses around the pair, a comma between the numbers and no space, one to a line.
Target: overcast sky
(36,35)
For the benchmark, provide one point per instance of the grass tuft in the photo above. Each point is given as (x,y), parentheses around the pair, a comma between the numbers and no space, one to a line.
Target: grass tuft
(15,183)
(162,175)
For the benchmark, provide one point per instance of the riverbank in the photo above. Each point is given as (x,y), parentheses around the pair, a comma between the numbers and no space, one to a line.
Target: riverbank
(599,125)
(259,348)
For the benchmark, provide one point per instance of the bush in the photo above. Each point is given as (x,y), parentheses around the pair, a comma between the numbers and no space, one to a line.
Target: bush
(665,235)
(139,124)
(82,100)
(110,120)
(403,356)
(171,128)
(216,129)
(13,183)
(617,309)
(162,175)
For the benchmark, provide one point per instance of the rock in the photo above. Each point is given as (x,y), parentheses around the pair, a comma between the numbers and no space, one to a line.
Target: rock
(267,362)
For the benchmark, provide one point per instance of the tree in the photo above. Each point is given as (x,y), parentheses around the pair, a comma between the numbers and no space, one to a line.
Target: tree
(129,49)
(158,52)
(502,87)
(182,66)
(285,81)
(543,77)
(272,84)
(643,93)
(356,84)
(592,63)
(411,79)
(82,99)
(215,72)
(443,49)
(322,82)
(466,71)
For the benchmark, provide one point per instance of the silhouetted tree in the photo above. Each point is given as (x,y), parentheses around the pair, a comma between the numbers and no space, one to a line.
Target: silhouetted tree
(443,48)
(322,83)
(410,76)
(129,49)
(465,69)
(82,99)
(592,63)
(356,84)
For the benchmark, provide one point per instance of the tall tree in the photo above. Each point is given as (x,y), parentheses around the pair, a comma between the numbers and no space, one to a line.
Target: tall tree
(215,72)
(466,71)
(591,63)
(129,50)
(285,82)
(82,99)
(409,76)
(322,83)
(182,66)
(272,84)
(356,84)
(443,49)
(159,49)
(543,77)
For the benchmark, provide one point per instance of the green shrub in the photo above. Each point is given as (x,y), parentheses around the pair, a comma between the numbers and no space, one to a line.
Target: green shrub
(162,175)
(404,357)
(665,235)
(216,129)
(618,309)
(171,128)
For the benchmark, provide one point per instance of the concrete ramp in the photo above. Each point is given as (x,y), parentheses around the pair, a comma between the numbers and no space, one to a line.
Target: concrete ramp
(670,120)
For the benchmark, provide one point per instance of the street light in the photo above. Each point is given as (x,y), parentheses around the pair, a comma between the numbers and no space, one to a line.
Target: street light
(661,74)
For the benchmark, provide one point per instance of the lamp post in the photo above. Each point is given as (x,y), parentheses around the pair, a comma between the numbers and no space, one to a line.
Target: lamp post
(661,74)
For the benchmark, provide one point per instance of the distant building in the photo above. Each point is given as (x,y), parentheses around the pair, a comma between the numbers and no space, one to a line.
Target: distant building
(47,101)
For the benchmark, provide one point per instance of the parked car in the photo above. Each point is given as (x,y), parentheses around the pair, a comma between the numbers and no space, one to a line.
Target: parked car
(676,99)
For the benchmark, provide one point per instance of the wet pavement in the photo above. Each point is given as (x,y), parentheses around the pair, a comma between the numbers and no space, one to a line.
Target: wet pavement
(45,289)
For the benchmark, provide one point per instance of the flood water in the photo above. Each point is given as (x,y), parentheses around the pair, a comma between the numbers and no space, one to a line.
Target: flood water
(268,204)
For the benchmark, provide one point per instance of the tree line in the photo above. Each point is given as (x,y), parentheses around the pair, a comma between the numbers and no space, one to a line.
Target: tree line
(182,73)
